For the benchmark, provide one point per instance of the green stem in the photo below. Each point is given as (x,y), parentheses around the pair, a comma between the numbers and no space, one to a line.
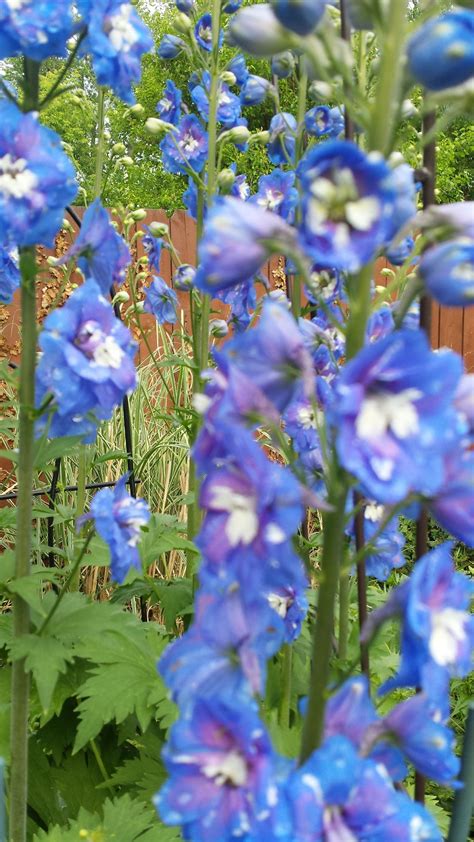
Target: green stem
(359,296)
(66,585)
(99,160)
(301,111)
(52,91)
(380,135)
(344,592)
(21,611)
(464,798)
(333,548)
(284,707)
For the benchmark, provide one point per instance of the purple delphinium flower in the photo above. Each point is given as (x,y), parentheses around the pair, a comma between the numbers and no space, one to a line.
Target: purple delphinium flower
(9,273)
(348,199)
(102,253)
(328,284)
(169,106)
(427,743)
(387,552)
(380,323)
(437,629)
(393,422)
(243,300)
(86,364)
(276,192)
(441,52)
(447,271)
(227,648)
(299,17)
(185,148)
(322,120)
(221,772)
(183,278)
(274,357)
(118,518)
(453,506)
(282,143)
(162,301)
(338,795)
(152,247)
(37,180)
(170,47)
(203,33)
(236,243)
(255,90)
(37,29)
(249,502)
(116,40)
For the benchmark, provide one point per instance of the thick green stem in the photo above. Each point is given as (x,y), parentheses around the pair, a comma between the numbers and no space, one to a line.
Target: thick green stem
(359,296)
(344,592)
(295,287)
(21,611)
(333,548)
(464,798)
(285,698)
(387,99)
(100,149)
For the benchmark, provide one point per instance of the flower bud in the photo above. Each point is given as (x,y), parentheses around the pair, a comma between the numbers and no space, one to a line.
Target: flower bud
(409,110)
(218,328)
(182,23)
(119,149)
(256,30)
(320,91)
(260,137)
(228,77)
(159,229)
(137,111)
(183,278)
(283,64)
(154,126)
(141,276)
(299,17)
(140,307)
(239,134)
(66,226)
(170,46)
(226,179)
(138,215)
(52,261)
(121,297)
(127,161)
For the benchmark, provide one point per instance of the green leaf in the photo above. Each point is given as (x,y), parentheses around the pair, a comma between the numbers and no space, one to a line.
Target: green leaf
(48,451)
(175,596)
(110,456)
(46,658)
(161,536)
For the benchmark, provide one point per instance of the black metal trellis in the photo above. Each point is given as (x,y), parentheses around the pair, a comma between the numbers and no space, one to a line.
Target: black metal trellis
(52,490)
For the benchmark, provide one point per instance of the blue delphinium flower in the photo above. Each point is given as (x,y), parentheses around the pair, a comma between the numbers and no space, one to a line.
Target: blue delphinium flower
(221,769)
(281,146)
(102,253)
(227,648)
(437,628)
(183,278)
(185,6)
(322,120)
(236,243)
(37,29)
(152,247)
(398,253)
(9,273)
(118,518)
(393,423)
(380,323)
(228,104)
(37,180)
(338,795)
(387,552)
(190,199)
(328,284)
(162,301)
(403,183)
(453,505)
(237,65)
(447,271)
(299,17)
(185,148)
(441,52)
(276,192)
(232,6)
(274,357)
(254,90)
(169,106)
(427,743)
(170,47)
(203,33)
(116,40)
(347,203)
(283,64)
(86,363)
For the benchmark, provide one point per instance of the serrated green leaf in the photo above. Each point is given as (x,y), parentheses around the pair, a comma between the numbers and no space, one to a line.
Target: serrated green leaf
(175,596)
(161,537)
(48,451)
(46,658)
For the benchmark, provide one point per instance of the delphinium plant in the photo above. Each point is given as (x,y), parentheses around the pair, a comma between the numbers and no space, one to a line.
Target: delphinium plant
(322,406)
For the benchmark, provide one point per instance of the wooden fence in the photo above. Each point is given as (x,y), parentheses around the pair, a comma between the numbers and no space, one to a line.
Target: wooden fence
(452,327)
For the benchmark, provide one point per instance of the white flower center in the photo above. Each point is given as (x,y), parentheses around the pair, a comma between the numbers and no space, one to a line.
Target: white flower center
(448,632)
(121,32)
(335,828)
(280,604)
(307,418)
(16,180)
(16,5)
(242,523)
(374,512)
(337,200)
(165,104)
(108,353)
(231,768)
(188,143)
(205,33)
(271,200)
(382,412)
